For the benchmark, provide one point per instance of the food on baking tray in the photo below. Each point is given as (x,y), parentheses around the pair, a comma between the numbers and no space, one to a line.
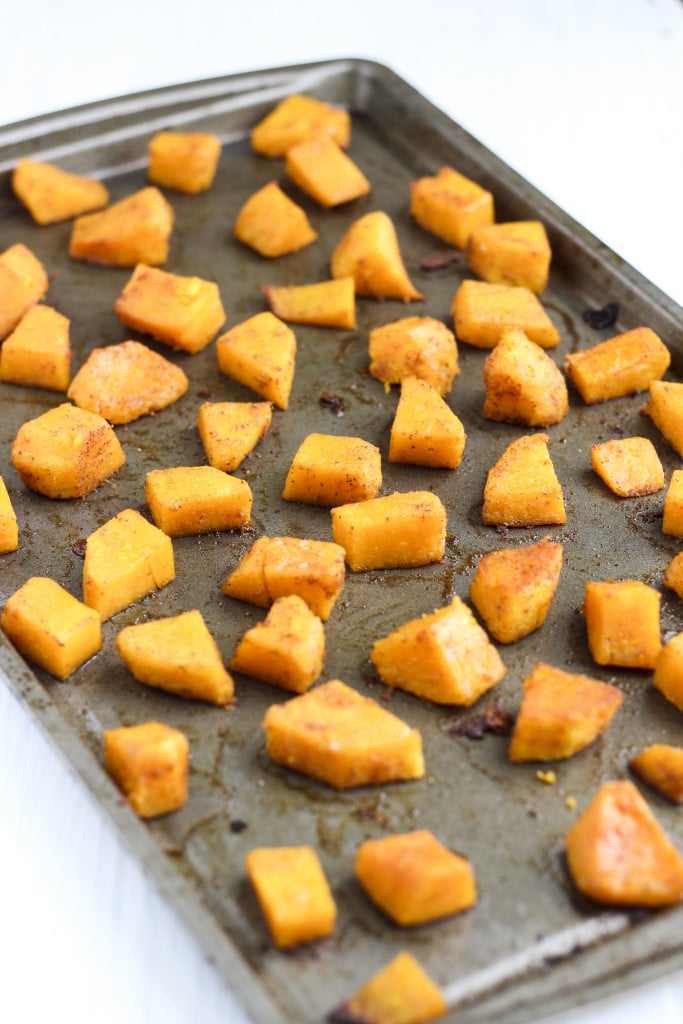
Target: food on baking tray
(414,878)
(136,229)
(229,431)
(515,252)
(293,893)
(522,488)
(187,500)
(125,381)
(125,559)
(450,206)
(184,161)
(621,365)
(260,354)
(149,763)
(673,576)
(370,253)
(66,452)
(483,311)
(622,623)
(179,655)
(277,566)
(445,657)
(273,224)
(619,854)
(665,409)
(672,522)
(338,736)
(398,531)
(561,713)
(23,283)
(298,117)
(513,588)
(425,431)
(331,469)
(668,671)
(400,993)
(287,649)
(415,346)
(325,303)
(523,384)
(51,194)
(38,351)
(9,529)
(629,466)
(661,766)
(322,169)
(51,627)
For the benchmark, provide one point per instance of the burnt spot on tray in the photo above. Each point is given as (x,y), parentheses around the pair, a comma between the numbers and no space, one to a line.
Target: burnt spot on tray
(492,719)
(332,402)
(606,316)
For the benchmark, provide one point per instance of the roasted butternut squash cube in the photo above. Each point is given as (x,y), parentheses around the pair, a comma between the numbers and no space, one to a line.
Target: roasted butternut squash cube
(298,117)
(184,161)
(321,169)
(369,252)
(293,893)
(661,766)
(629,466)
(673,576)
(66,452)
(522,488)
(415,346)
(400,993)
(325,303)
(23,283)
(125,559)
(287,649)
(37,354)
(328,469)
(336,735)
(9,529)
(445,657)
(672,522)
(149,763)
(523,384)
(665,409)
(515,252)
(482,311)
(260,353)
(51,627)
(450,206)
(188,500)
(177,654)
(425,431)
(622,365)
(136,229)
(622,623)
(397,531)
(273,224)
(231,430)
(51,194)
(619,854)
(668,671)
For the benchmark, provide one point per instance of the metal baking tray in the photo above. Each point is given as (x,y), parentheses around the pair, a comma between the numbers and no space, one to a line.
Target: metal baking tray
(530,945)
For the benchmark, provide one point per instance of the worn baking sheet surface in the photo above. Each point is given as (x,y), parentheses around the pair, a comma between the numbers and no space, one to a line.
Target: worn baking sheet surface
(496,960)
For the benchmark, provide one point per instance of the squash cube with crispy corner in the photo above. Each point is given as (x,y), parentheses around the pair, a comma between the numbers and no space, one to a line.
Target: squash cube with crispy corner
(188,500)
(51,627)
(293,893)
(125,559)
(672,522)
(445,657)
(273,224)
(229,431)
(482,311)
(51,194)
(336,735)
(321,168)
(400,993)
(619,854)
(629,466)
(66,452)
(522,488)
(23,283)
(415,346)
(37,354)
(623,365)
(324,303)
(622,623)
(184,161)
(425,431)
(523,384)
(260,353)
(370,253)
(450,206)
(298,117)
(125,381)
(9,529)
(328,469)
(513,588)
(673,576)
(414,878)
(149,763)
(136,229)
(177,654)
(665,409)
(515,252)
(287,649)
(184,313)
(668,671)
(397,531)
(661,766)
(561,714)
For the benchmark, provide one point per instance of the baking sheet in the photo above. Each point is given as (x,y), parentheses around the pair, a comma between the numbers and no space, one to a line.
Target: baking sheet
(518,953)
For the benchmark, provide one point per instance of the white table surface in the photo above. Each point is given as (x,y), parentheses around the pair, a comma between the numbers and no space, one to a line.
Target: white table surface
(584,99)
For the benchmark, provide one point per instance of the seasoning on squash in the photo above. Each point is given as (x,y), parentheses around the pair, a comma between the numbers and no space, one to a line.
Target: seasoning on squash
(450,206)
(51,194)
(621,365)
(149,763)
(324,303)
(513,252)
(9,528)
(321,168)
(523,384)
(229,431)
(399,993)
(398,531)
(260,353)
(522,488)
(425,431)
(293,893)
(415,346)
(665,409)
(298,117)
(482,311)
(37,354)
(622,623)
(668,671)
(661,766)
(629,466)
(184,161)
(330,469)
(23,283)
(369,252)
(136,229)
(273,224)
(287,649)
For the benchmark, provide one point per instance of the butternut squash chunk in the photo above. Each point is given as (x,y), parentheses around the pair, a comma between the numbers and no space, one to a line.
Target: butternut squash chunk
(425,431)
(400,993)
(397,531)
(149,763)
(273,224)
(369,252)
(298,117)
(136,229)
(482,311)
(287,649)
(23,283)
(415,346)
(9,528)
(37,354)
(622,623)
(321,168)
(523,384)
(184,161)
(51,194)
(661,766)
(672,522)
(325,303)
(522,488)
(665,409)
(619,366)
(260,353)
(514,252)
(629,466)
(293,893)
(231,430)
(673,576)
(329,469)
(450,206)
(668,671)
(188,500)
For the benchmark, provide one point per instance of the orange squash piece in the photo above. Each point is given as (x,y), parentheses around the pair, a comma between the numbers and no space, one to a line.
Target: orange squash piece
(673,576)
(23,283)
(622,623)
(672,522)
(287,649)
(321,168)
(149,763)
(522,488)
(9,529)
(369,252)
(661,766)
(668,671)
(629,466)
(298,117)
(482,311)
(400,993)
(450,206)
(293,893)
(415,346)
(231,430)
(37,354)
(523,384)
(136,229)
(260,353)
(325,303)
(514,252)
(51,194)
(188,500)
(665,409)
(273,224)
(425,431)
(330,469)
(622,365)
(396,531)
(184,161)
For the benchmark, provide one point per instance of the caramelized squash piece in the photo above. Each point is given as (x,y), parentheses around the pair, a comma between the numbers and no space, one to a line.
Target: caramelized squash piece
(673,576)
(672,523)
(188,500)
(522,488)
(231,430)
(661,766)
(321,168)
(293,893)
(629,466)
(523,384)
(668,671)
(425,431)
(51,194)
(450,206)
(665,409)
(287,649)
(37,354)
(482,311)
(23,283)
(325,303)
(619,366)
(260,353)
(9,529)
(329,469)
(369,252)
(149,763)
(415,346)
(397,531)
(298,117)
(136,229)
(273,224)
(400,993)
(514,252)
(622,623)
(184,161)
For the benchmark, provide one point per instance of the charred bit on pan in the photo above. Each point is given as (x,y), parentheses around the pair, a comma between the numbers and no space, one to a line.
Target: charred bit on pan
(332,402)
(492,719)
(601,318)
(78,547)
(440,259)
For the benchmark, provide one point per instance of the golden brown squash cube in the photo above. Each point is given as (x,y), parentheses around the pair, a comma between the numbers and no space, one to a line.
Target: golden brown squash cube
(66,452)
(668,671)
(673,576)
(622,365)
(665,409)
(136,229)
(415,346)
(177,654)
(293,893)
(397,531)
(445,657)
(273,224)
(369,252)
(51,194)
(23,283)
(149,763)
(522,488)
(561,714)
(188,500)
(523,384)
(9,529)
(483,311)
(672,522)
(450,206)
(400,993)
(337,736)
(321,168)
(661,766)
(184,161)
(125,559)
(37,354)
(619,854)
(231,430)
(260,353)
(513,588)
(425,431)
(51,627)
(325,303)
(622,623)
(333,470)
(515,252)
(629,466)
(298,117)
(287,649)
